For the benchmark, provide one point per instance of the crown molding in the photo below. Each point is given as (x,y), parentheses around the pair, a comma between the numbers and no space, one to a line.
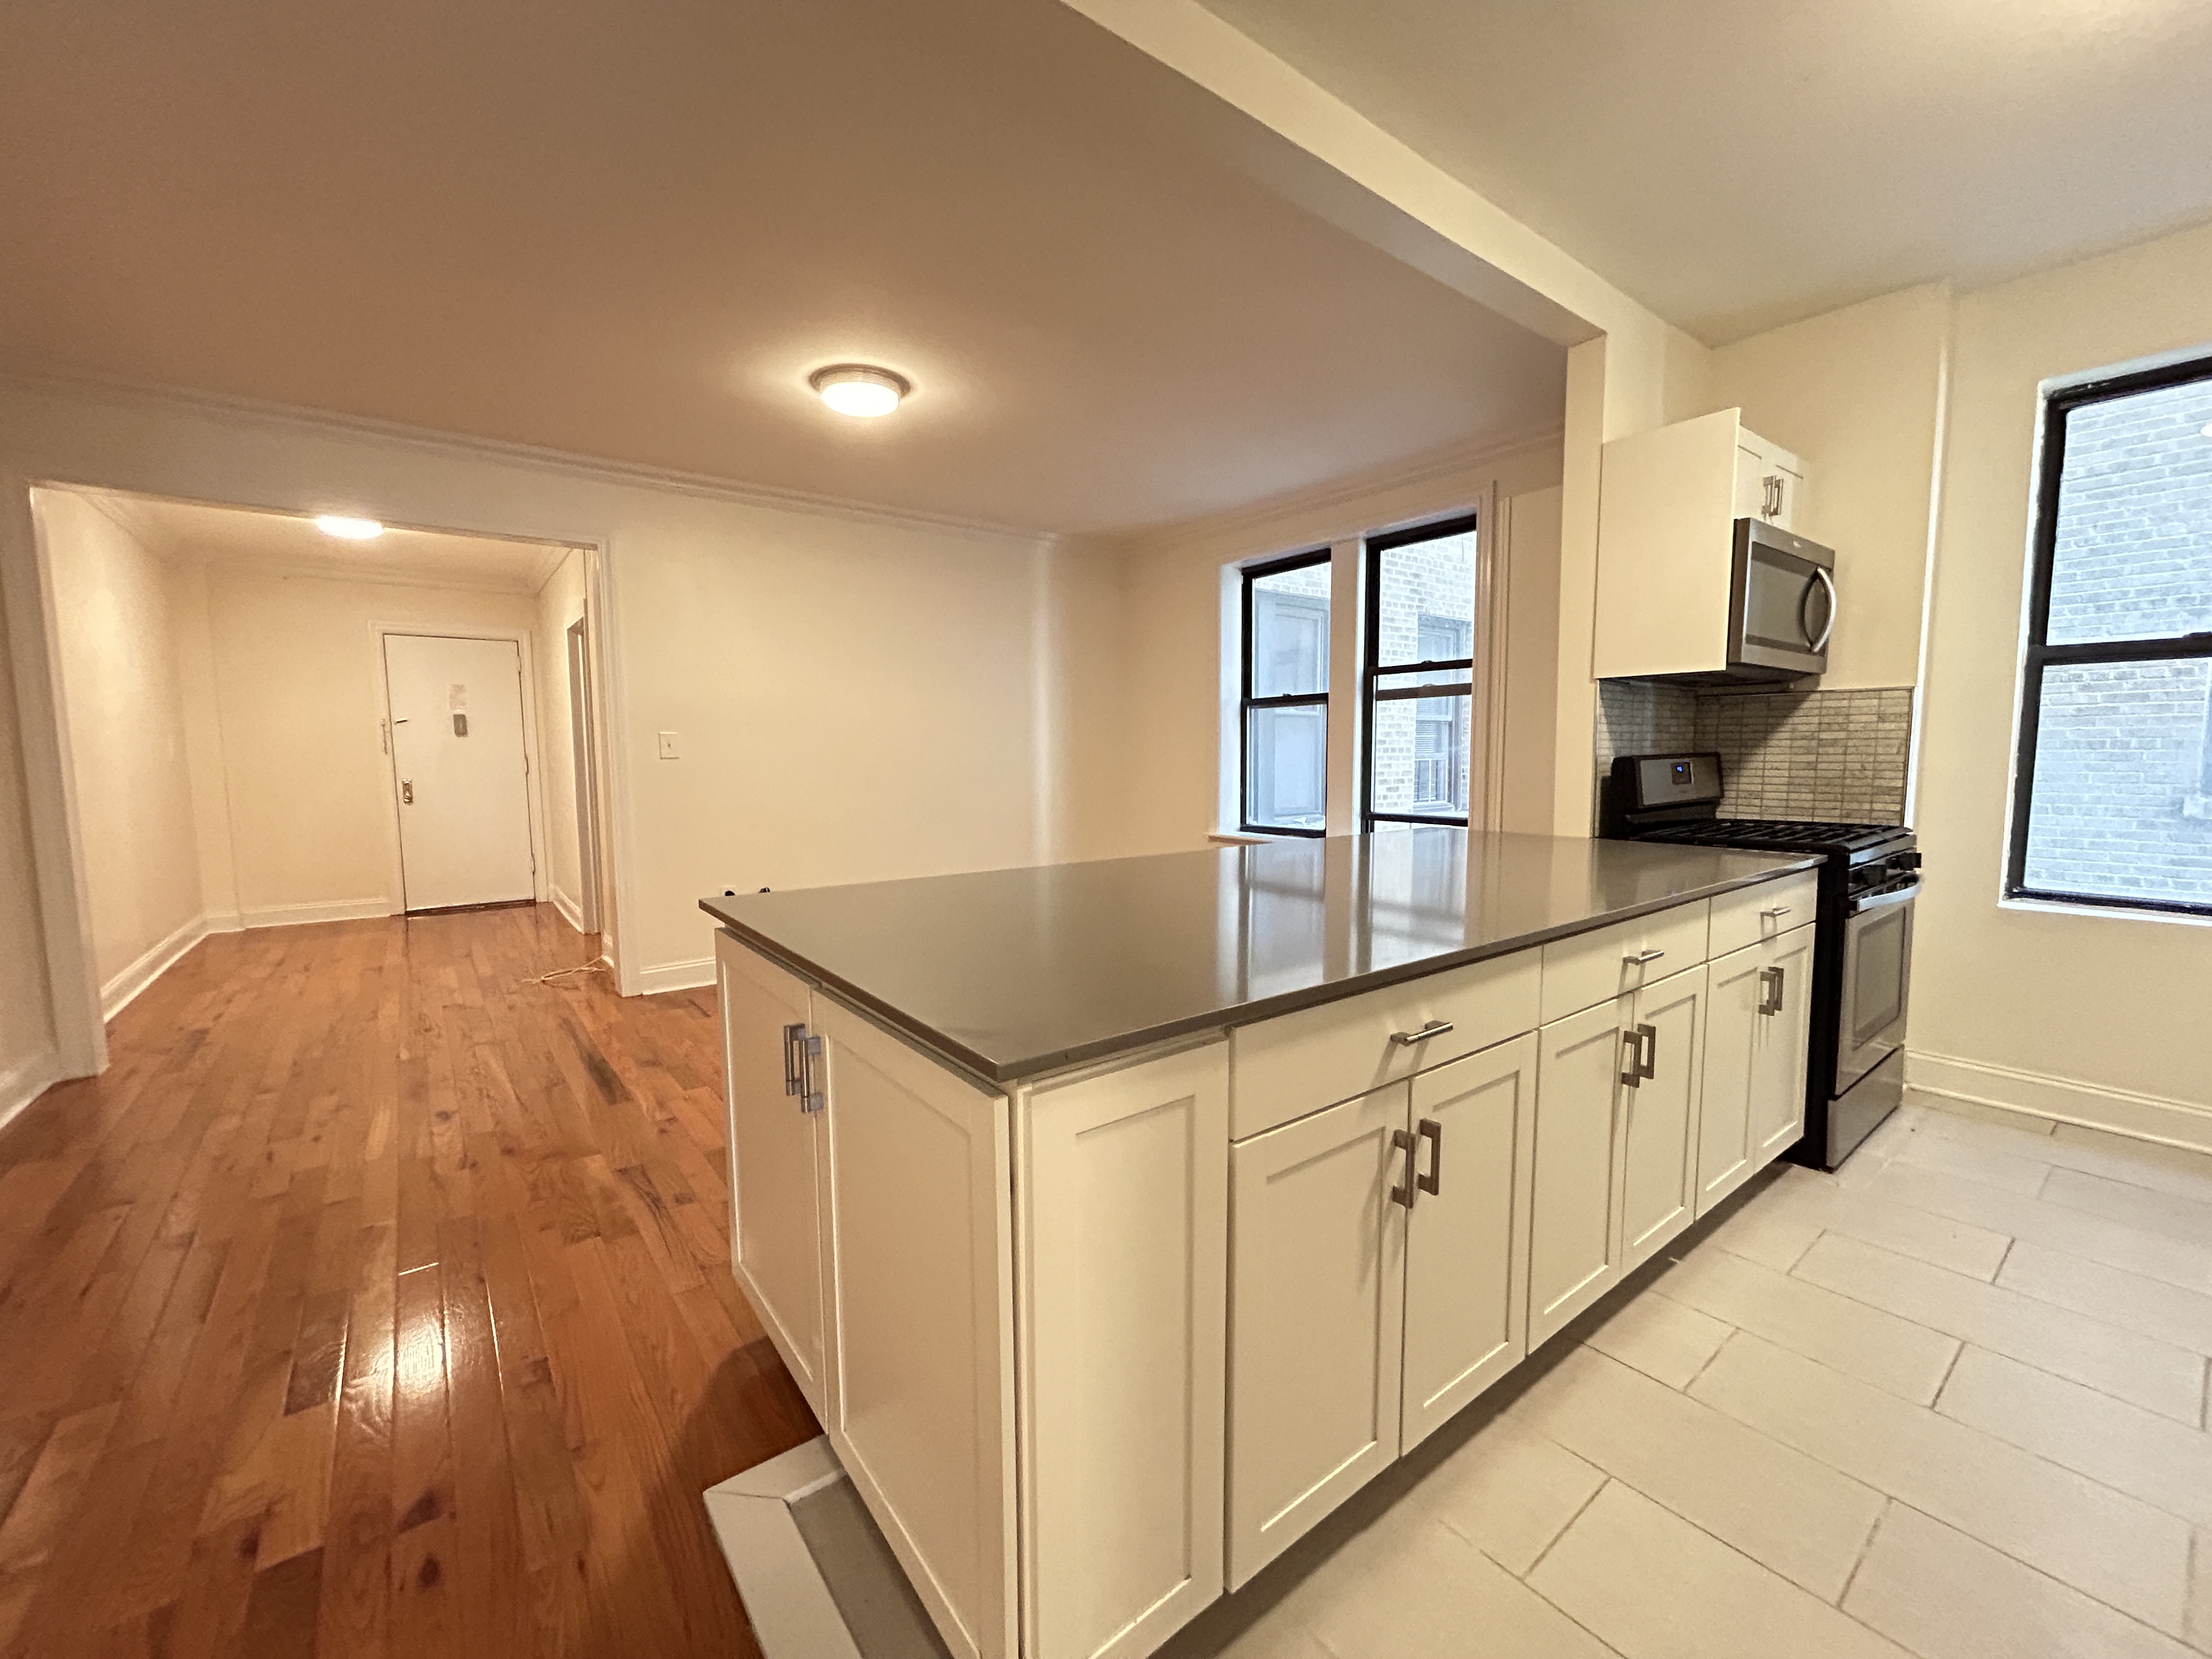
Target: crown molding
(1453,461)
(430,440)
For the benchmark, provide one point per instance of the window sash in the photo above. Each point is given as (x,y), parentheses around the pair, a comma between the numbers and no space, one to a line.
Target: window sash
(1376,693)
(1247,703)
(2037,655)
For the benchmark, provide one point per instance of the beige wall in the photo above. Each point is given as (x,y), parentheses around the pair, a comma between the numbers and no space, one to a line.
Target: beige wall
(1857,394)
(116,631)
(28,1060)
(1532,654)
(1148,738)
(560,604)
(300,689)
(855,696)
(2097,1017)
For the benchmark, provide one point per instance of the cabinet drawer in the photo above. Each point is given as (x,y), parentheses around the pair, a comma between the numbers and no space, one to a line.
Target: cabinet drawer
(1745,916)
(1593,968)
(1282,1068)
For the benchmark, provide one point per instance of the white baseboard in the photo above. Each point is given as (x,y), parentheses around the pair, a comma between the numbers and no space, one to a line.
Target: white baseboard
(571,911)
(676,976)
(2065,1100)
(118,993)
(25,1080)
(295,915)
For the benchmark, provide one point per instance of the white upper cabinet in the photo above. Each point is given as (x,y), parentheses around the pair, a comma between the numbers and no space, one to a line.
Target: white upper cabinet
(1667,503)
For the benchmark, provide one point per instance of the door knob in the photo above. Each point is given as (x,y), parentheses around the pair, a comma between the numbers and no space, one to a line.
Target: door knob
(407,792)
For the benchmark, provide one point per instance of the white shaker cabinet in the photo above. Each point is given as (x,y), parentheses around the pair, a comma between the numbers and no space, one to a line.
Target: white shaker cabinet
(1667,503)
(779,1174)
(1574,1252)
(921,1318)
(1617,1096)
(1122,1222)
(1659,1116)
(1317,1315)
(1466,1268)
(1757,1025)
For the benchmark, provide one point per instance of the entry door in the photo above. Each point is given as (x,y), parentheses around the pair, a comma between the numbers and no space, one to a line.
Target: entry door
(458,766)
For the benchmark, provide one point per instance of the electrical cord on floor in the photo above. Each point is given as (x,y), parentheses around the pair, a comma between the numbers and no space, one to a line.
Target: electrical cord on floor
(599,967)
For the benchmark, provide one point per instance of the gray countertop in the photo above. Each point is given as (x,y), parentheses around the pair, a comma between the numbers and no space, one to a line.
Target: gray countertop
(1011,973)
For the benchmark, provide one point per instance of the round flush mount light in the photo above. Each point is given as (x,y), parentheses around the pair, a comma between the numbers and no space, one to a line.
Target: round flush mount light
(349,530)
(2208,430)
(857,389)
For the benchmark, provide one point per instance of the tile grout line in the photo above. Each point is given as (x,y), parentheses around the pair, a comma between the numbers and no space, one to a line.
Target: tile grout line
(1583,1509)
(2027,1296)
(1866,1548)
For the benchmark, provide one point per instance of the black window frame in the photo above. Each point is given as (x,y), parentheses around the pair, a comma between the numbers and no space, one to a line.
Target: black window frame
(2037,655)
(1247,703)
(1373,670)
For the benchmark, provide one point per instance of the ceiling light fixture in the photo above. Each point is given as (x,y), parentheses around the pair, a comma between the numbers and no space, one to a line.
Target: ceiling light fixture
(857,389)
(349,530)
(2208,430)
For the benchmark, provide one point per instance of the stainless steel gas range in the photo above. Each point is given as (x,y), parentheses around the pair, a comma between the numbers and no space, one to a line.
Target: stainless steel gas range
(1863,963)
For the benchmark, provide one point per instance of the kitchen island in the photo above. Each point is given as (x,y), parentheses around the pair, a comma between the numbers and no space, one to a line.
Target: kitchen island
(1120,1220)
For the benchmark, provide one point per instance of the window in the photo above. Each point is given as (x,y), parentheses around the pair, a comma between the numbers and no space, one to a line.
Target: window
(1420,675)
(2112,800)
(1285,784)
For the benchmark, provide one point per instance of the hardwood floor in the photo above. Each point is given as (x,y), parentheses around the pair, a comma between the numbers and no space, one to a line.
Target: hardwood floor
(377,1302)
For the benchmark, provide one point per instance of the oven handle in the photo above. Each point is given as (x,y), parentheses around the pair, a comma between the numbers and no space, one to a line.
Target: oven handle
(1883,900)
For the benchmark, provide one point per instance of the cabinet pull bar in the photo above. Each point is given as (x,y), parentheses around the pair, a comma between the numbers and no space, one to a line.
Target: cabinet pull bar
(1402,1141)
(1642,958)
(1648,1037)
(1433,1132)
(793,1035)
(814,1096)
(1434,1028)
(1770,980)
(1633,1073)
(1778,912)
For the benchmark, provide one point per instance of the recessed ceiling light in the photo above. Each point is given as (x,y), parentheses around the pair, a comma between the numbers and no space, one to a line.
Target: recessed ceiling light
(2208,430)
(349,530)
(857,389)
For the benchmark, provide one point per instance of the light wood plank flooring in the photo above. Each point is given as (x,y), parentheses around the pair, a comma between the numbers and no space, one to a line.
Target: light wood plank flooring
(376,1302)
(1950,1404)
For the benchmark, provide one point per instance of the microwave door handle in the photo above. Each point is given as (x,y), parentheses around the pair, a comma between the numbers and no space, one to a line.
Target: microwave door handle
(1828,582)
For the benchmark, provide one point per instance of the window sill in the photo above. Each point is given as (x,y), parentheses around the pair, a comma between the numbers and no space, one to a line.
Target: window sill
(2103,912)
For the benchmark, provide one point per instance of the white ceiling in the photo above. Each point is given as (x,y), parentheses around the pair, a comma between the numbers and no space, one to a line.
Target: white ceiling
(1736,164)
(433,558)
(630,233)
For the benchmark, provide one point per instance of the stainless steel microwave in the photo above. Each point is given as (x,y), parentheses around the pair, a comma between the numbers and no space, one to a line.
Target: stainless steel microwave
(1781,604)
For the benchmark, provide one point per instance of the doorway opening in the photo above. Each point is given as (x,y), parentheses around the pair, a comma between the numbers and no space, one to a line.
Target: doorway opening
(264,723)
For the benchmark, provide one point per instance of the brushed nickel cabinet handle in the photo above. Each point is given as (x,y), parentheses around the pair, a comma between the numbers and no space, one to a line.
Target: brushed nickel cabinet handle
(793,1037)
(1433,1132)
(1402,1141)
(1778,912)
(1434,1028)
(1769,981)
(1644,958)
(1648,1036)
(1631,1065)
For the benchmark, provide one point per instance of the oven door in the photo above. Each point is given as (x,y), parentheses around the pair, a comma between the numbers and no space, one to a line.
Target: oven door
(1782,604)
(1877,973)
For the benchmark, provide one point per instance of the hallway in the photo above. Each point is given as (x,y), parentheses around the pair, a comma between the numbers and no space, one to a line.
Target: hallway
(376,1301)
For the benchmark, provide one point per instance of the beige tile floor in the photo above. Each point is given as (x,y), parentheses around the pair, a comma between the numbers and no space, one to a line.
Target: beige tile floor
(1950,1402)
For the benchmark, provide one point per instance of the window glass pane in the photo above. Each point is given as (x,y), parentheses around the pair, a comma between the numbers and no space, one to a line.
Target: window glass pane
(1290,632)
(1418,748)
(2132,558)
(1425,601)
(1285,752)
(2122,806)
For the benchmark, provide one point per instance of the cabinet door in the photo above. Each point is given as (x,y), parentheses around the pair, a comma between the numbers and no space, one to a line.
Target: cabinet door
(1754,495)
(1778,1081)
(1659,1117)
(1316,1313)
(775,1174)
(1573,1244)
(921,1315)
(1735,986)
(1466,1243)
(1122,1212)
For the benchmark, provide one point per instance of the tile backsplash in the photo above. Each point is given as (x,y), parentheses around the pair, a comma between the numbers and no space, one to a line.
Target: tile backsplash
(1784,754)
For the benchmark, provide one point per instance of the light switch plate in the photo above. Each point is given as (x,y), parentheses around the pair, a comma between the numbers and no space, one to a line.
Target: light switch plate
(668,746)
